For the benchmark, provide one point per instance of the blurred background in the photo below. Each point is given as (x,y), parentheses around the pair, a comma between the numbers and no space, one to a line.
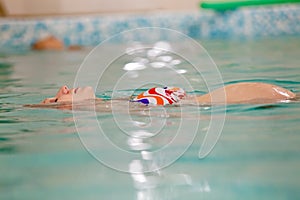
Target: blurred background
(58,7)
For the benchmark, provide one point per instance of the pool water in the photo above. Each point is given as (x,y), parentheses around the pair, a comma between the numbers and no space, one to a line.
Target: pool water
(256,157)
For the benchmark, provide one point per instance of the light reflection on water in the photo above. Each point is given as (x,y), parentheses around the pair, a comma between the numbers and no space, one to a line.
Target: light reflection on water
(257,156)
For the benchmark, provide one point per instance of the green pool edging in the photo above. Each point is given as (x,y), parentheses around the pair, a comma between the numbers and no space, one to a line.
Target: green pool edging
(229,5)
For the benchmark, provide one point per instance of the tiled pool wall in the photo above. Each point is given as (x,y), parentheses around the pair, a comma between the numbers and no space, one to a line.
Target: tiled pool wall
(248,22)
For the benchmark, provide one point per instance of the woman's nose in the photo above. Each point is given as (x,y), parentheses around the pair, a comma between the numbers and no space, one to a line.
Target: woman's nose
(63,90)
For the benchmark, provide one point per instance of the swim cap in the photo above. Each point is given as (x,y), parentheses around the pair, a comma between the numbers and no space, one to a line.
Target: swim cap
(160,96)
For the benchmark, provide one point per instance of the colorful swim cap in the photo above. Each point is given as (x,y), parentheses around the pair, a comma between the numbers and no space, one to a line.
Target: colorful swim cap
(160,96)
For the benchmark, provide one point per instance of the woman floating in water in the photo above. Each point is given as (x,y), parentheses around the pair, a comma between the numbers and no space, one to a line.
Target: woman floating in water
(239,93)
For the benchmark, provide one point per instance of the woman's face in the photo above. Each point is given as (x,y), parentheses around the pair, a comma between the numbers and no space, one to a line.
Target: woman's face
(65,94)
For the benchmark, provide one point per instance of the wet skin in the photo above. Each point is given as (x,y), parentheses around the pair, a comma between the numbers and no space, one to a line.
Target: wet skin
(247,92)
(65,95)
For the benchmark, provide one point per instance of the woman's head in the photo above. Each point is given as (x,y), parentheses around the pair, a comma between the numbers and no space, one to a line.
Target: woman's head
(65,94)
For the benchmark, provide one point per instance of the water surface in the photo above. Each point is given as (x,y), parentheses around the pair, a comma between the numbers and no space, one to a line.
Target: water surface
(256,157)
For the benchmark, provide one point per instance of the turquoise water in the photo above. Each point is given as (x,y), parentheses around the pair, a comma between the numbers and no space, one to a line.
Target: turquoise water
(256,157)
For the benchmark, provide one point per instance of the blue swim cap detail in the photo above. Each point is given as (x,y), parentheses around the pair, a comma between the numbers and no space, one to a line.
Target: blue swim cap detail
(144,101)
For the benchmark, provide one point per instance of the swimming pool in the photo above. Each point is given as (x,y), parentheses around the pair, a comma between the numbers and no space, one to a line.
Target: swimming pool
(257,155)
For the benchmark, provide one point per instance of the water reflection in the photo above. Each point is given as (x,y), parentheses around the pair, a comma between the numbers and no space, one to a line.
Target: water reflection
(138,144)
(160,185)
(154,184)
(159,55)
(134,66)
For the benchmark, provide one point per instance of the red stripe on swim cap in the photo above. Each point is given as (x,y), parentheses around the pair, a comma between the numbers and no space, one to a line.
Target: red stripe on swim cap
(153,91)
